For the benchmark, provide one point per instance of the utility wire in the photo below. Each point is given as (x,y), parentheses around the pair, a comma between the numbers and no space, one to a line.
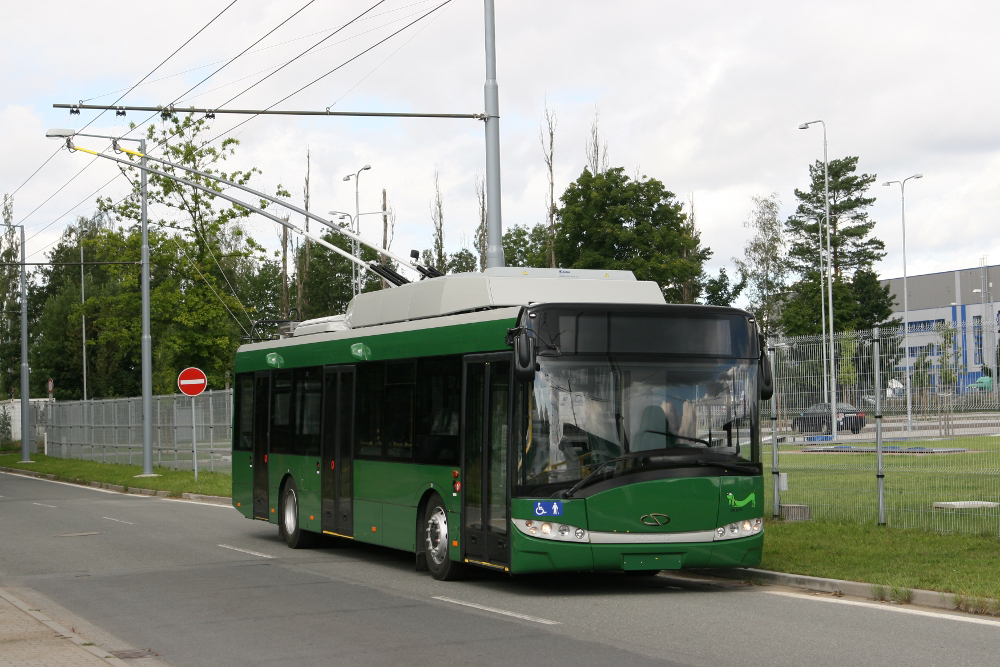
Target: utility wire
(264,48)
(320,78)
(92,120)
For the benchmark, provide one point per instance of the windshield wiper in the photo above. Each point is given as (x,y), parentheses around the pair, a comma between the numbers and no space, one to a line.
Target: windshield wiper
(750,470)
(677,435)
(568,493)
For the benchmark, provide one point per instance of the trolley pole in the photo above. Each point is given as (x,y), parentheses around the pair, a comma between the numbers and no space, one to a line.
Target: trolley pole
(775,475)
(877,352)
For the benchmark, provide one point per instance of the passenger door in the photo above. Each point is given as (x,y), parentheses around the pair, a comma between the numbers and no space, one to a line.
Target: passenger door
(338,438)
(486,425)
(261,442)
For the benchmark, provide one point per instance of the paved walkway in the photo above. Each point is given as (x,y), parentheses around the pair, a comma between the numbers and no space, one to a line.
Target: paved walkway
(29,638)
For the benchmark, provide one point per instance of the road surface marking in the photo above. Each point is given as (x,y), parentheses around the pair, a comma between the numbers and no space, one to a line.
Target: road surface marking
(525,617)
(44,505)
(246,551)
(902,610)
(118,520)
(78,534)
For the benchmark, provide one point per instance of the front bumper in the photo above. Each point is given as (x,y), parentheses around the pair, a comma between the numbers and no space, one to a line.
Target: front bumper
(532,554)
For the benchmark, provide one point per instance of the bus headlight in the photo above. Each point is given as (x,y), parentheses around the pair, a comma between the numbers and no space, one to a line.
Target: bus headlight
(738,529)
(562,532)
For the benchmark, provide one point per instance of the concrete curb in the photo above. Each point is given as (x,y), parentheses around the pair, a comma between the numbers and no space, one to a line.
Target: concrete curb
(195,497)
(936,599)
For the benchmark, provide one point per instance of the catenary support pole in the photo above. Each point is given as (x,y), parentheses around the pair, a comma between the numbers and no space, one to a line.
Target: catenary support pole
(83,301)
(146,342)
(775,475)
(25,395)
(829,287)
(877,353)
(494,226)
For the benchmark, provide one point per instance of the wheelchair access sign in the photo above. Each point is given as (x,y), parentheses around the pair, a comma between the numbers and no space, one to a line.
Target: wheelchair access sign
(548,508)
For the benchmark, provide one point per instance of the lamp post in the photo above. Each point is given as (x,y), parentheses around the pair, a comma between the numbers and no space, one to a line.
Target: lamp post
(355,276)
(906,303)
(829,276)
(146,339)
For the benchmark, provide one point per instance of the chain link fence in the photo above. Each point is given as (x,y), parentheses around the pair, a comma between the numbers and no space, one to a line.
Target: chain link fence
(939,446)
(110,430)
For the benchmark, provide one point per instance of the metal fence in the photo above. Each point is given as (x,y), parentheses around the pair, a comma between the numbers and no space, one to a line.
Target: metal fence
(938,460)
(110,430)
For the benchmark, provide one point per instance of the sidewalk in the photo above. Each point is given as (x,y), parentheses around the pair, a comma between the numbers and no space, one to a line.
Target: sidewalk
(30,638)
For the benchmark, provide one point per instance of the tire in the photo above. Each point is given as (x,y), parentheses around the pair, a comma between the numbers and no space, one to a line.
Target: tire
(436,540)
(295,537)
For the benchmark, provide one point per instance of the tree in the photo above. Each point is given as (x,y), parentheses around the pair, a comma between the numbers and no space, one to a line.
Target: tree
(462,261)
(597,146)
(548,132)
(526,247)
(950,355)
(438,257)
(764,266)
(873,302)
(10,298)
(610,221)
(852,247)
(800,313)
(481,242)
(330,276)
(719,291)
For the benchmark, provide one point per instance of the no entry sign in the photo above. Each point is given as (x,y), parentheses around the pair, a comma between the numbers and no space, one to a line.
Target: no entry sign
(192,381)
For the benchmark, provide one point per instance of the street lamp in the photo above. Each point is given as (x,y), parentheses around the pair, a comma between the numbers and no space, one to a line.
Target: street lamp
(356,277)
(146,340)
(906,305)
(829,281)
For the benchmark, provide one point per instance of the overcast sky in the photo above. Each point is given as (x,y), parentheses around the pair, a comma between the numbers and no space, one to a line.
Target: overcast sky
(704,96)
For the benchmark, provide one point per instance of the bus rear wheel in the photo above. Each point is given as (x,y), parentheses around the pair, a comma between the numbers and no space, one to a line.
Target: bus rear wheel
(295,537)
(436,541)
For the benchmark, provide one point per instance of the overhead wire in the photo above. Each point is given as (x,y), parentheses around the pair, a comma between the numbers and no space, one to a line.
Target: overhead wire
(195,267)
(91,121)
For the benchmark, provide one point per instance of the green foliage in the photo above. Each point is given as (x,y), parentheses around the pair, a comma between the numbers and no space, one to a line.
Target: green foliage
(951,352)
(10,298)
(329,279)
(610,221)
(853,248)
(764,267)
(5,427)
(526,247)
(720,291)
(873,302)
(860,304)
(463,261)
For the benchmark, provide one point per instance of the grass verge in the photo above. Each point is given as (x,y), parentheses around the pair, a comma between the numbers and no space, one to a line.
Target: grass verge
(174,482)
(891,559)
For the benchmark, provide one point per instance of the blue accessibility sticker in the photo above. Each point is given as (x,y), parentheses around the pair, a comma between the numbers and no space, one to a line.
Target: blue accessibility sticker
(548,508)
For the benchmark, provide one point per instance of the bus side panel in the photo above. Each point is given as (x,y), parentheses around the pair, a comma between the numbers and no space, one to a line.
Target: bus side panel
(303,470)
(397,489)
(368,526)
(243,483)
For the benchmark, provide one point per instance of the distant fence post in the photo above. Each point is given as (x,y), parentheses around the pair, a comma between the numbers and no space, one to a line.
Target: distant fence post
(877,352)
(772,404)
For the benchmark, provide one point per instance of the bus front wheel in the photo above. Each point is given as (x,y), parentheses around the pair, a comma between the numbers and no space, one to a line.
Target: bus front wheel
(295,537)
(436,539)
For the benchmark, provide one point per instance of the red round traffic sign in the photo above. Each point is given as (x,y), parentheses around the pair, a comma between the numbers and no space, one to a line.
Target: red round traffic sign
(192,381)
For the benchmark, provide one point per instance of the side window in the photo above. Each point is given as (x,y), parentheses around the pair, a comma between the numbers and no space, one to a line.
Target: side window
(244,411)
(308,411)
(368,410)
(439,402)
(281,413)
(399,397)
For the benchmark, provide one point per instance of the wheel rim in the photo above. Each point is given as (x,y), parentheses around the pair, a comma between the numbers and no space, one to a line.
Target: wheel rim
(437,536)
(291,512)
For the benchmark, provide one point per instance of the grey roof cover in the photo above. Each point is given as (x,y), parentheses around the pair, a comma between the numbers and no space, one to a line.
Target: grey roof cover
(497,288)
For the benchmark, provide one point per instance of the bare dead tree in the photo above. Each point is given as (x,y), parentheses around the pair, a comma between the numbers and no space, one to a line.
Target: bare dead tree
(480,242)
(437,217)
(388,230)
(284,269)
(548,132)
(689,290)
(597,146)
(303,262)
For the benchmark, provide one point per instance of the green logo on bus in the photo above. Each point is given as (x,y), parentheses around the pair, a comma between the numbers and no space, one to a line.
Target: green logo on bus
(274,359)
(361,351)
(749,500)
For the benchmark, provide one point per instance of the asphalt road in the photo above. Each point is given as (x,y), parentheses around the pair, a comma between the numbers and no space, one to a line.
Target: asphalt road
(201,585)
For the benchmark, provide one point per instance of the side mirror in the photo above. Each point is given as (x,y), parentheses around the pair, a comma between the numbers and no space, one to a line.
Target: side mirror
(766,377)
(524,357)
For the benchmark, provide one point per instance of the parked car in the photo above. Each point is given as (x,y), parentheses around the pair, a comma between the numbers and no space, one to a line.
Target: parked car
(816,419)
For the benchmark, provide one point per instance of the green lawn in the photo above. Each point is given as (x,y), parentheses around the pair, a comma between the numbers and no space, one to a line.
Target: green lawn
(173,481)
(967,565)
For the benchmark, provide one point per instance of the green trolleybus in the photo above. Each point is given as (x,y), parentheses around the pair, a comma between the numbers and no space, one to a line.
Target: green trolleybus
(525,420)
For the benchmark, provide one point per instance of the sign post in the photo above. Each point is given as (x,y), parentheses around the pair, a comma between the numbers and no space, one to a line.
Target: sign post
(192,381)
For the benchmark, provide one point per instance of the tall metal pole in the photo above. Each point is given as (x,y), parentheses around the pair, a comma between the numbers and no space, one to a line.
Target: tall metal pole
(494,225)
(906,313)
(25,395)
(775,474)
(357,230)
(877,351)
(146,342)
(83,301)
(829,286)
(822,314)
